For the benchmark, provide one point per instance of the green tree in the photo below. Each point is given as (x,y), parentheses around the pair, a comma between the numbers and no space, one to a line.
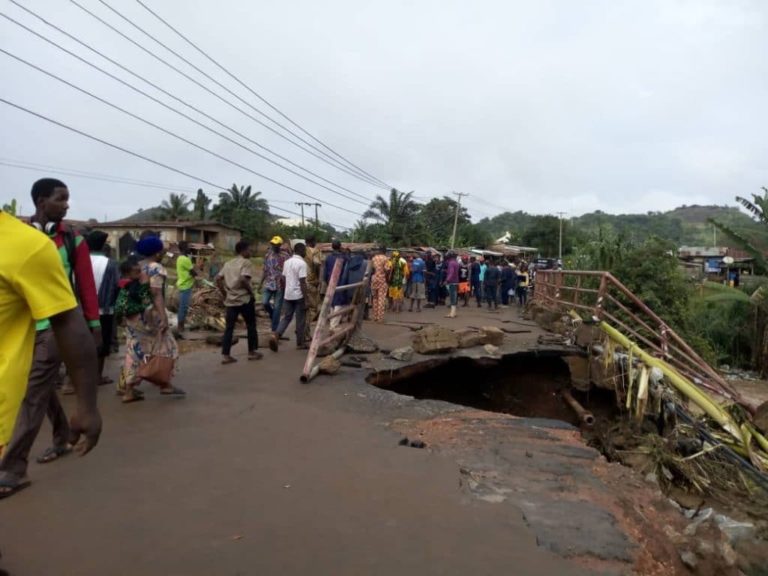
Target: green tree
(435,221)
(652,272)
(241,207)
(175,208)
(544,234)
(201,204)
(11,208)
(397,215)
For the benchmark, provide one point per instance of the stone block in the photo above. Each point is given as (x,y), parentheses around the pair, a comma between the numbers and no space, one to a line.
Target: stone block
(329,365)
(434,340)
(493,335)
(468,338)
(404,354)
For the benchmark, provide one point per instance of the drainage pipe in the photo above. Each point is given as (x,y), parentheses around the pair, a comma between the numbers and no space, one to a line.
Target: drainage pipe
(586,417)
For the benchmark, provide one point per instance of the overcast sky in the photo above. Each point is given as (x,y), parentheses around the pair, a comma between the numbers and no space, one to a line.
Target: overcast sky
(546,106)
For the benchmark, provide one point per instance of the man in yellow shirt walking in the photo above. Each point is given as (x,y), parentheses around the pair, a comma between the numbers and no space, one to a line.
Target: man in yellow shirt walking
(34,286)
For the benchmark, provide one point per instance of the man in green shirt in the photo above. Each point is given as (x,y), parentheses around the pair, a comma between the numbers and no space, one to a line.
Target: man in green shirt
(185,280)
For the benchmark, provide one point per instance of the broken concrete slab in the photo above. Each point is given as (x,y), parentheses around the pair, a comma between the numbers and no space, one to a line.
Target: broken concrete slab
(493,335)
(434,340)
(404,354)
(579,369)
(469,338)
(559,526)
(361,344)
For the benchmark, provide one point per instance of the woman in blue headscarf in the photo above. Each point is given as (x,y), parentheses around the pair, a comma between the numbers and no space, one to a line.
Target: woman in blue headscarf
(148,333)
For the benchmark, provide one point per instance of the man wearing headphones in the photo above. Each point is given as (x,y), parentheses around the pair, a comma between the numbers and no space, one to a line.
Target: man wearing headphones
(51,199)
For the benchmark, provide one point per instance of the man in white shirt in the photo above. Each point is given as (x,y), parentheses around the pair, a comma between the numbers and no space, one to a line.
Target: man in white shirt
(295,274)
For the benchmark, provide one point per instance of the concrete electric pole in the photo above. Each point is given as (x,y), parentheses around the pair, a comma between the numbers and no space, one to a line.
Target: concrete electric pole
(459,196)
(560,245)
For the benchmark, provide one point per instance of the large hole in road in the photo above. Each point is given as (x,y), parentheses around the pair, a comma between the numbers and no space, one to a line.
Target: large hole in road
(524,384)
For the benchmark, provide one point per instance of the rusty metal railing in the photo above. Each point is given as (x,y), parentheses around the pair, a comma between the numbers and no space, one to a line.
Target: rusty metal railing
(604,297)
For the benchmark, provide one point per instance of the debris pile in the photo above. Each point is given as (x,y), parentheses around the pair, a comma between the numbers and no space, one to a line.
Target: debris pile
(676,432)
(206,310)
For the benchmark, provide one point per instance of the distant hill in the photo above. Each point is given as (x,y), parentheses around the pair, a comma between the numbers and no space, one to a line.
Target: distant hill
(686,225)
(147,215)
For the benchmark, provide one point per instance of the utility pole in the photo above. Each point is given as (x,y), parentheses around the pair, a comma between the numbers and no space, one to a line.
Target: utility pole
(317,220)
(560,245)
(302,204)
(459,196)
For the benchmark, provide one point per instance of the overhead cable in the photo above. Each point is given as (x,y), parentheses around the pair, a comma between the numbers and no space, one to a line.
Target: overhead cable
(325,159)
(116,146)
(252,91)
(169,94)
(223,87)
(171,133)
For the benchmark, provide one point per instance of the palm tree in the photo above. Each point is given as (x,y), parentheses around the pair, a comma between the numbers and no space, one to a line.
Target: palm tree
(758,207)
(397,215)
(201,204)
(240,198)
(175,208)
(241,207)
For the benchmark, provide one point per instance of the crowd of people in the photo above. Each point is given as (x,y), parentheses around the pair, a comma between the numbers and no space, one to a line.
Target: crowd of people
(432,279)
(75,292)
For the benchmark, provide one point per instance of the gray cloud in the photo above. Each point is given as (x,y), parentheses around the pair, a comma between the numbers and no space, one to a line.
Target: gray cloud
(618,106)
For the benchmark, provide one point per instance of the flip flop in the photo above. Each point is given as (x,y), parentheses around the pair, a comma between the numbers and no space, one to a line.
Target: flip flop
(54,453)
(12,488)
(133,398)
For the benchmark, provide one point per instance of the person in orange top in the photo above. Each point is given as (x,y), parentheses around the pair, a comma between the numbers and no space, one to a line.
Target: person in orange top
(34,286)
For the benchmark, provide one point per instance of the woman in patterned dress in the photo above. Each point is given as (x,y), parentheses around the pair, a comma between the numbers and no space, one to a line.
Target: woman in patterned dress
(148,333)
(379,285)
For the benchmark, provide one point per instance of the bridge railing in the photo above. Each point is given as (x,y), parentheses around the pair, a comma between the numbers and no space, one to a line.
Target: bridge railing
(602,296)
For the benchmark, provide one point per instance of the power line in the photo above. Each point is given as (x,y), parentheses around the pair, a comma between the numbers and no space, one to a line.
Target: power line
(218,96)
(50,74)
(170,133)
(160,102)
(236,79)
(121,180)
(92,176)
(122,149)
(219,84)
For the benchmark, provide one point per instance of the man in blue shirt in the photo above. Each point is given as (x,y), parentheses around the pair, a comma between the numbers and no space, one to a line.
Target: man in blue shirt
(418,285)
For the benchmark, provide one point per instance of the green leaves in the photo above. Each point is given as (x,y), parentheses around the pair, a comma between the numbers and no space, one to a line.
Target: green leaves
(175,208)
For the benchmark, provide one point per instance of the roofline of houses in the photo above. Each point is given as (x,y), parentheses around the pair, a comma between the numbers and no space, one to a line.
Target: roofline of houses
(150,224)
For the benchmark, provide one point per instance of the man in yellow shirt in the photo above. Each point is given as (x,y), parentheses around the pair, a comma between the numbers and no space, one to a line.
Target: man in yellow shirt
(33,286)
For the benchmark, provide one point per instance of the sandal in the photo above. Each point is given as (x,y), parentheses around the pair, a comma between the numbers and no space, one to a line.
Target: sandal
(228,360)
(11,487)
(173,391)
(54,453)
(255,356)
(134,396)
